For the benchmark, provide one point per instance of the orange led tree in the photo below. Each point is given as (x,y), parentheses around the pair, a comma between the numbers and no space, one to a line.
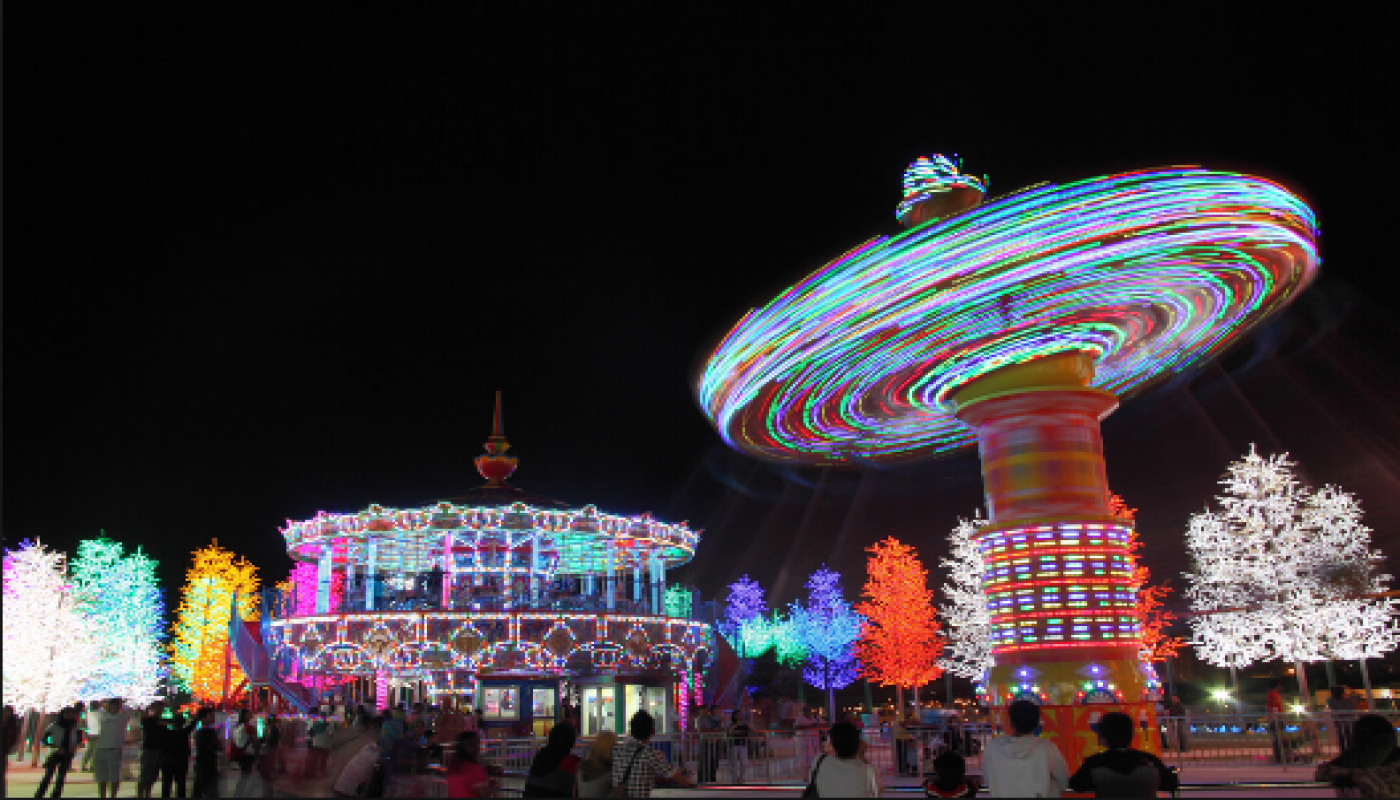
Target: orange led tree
(199,651)
(1153,619)
(901,640)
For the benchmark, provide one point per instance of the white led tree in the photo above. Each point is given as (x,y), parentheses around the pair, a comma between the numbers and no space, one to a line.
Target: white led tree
(969,650)
(1281,572)
(47,646)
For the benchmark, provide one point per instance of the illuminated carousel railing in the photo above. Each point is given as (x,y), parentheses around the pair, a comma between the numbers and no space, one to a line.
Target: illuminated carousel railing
(412,633)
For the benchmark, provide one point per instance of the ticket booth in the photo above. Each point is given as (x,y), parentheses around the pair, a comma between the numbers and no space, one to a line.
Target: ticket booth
(520,707)
(607,703)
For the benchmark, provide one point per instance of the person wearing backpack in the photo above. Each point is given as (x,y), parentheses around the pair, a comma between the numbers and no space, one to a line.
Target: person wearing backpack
(64,736)
(636,766)
(243,750)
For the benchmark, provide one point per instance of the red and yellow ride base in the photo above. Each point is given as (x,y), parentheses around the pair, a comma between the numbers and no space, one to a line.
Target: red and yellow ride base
(1058,572)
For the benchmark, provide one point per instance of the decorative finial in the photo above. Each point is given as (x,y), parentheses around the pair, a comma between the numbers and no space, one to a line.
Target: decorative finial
(935,188)
(496,466)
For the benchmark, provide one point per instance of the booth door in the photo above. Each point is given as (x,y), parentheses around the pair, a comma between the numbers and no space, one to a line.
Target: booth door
(542,709)
(653,699)
(599,710)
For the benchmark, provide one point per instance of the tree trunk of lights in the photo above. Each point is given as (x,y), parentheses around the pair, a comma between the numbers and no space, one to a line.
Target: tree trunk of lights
(1235,688)
(1366,682)
(1304,697)
(1331,674)
(830,691)
(869,698)
(948,682)
(898,702)
(40,718)
(1171,679)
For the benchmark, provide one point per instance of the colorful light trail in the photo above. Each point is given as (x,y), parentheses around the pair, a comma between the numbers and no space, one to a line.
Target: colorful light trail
(1150,272)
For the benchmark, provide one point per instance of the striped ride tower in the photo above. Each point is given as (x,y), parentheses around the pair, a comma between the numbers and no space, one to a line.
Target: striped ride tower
(1057,569)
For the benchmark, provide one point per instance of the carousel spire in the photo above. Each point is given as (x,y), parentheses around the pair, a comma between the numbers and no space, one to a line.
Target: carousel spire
(496,466)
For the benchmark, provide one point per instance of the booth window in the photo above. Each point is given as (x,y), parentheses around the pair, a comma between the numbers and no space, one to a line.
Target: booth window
(501,702)
(543,702)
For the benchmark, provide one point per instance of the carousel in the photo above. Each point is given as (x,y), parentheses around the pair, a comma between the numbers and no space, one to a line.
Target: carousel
(497,600)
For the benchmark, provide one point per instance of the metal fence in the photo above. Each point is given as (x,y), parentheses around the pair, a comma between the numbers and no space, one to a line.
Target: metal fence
(1286,740)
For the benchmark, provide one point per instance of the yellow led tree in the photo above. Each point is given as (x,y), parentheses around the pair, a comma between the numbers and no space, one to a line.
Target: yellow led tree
(199,654)
(901,641)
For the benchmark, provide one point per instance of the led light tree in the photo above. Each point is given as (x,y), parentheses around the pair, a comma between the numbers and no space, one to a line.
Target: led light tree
(1153,619)
(48,647)
(744,609)
(117,596)
(828,628)
(900,642)
(969,653)
(1282,572)
(789,648)
(199,651)
(679,602)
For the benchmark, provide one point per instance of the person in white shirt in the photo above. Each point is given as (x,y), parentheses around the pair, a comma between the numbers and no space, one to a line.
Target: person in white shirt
(111,736)
(1023,764)
(844,773)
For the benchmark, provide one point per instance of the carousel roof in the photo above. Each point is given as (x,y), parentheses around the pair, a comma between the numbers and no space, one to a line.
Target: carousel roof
(494,517)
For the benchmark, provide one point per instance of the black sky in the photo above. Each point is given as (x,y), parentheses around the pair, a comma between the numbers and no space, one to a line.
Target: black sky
(267,264)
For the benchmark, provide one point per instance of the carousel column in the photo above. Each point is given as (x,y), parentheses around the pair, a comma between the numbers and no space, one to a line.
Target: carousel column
(447,570)
(610,580)
(1057,563)
(345,598)
(370,574)
(323,579)
(658,594)
(534,568)
(381,690)
(637,578)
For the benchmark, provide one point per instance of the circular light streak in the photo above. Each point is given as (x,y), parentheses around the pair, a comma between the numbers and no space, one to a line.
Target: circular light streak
(1151,272)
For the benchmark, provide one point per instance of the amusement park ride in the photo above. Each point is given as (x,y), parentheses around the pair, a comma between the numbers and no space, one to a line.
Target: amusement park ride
(497,600)
(1020,323)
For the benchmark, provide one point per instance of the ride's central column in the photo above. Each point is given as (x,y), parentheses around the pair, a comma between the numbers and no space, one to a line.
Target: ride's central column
(1057,569)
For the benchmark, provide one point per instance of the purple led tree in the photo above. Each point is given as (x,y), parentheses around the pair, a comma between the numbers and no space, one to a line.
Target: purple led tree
(743,612)
(828,629)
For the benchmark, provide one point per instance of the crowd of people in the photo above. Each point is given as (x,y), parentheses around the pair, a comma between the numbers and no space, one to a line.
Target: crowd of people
(100,730)
(359,753)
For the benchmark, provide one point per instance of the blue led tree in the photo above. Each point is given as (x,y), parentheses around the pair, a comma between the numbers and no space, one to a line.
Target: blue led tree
(117,596)
(828,629)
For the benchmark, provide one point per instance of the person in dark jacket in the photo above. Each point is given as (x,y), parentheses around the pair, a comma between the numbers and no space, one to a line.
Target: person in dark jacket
(64,736)
(1121,771)
(153,730)
(950,777)
(175,754)
(1371,766)
(207,744)
(555,767)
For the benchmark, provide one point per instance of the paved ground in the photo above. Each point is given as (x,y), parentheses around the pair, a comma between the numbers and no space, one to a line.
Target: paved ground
(1201,782)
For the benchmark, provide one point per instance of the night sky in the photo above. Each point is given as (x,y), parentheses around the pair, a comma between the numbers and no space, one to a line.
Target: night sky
(261,266)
